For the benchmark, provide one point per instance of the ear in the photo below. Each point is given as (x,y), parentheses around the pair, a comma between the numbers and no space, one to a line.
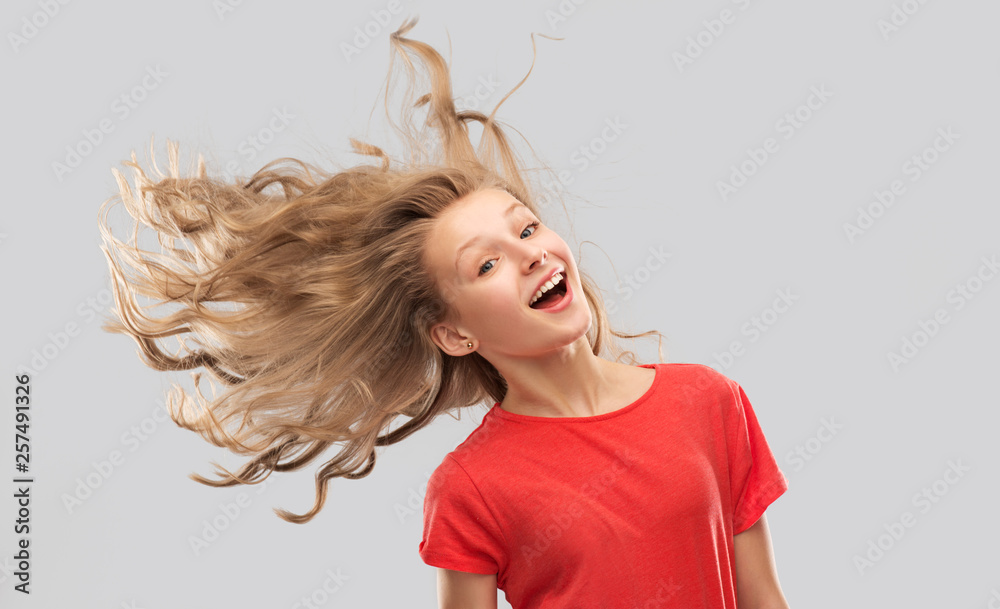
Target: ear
(449,339)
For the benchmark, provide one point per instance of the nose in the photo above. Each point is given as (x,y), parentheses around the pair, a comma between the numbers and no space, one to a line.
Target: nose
(537,258)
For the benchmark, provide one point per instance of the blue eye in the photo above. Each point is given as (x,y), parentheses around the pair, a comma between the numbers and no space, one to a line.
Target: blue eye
(533,225)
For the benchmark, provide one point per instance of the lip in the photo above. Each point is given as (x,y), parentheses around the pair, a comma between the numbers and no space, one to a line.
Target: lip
(554,272)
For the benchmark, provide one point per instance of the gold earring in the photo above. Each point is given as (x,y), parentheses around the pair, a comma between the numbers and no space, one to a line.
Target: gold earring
(470,344)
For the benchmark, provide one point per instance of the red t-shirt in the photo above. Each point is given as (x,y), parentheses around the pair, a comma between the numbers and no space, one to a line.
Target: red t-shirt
(629,509)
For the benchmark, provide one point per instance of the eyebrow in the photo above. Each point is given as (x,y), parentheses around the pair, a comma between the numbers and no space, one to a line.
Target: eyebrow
(471,242)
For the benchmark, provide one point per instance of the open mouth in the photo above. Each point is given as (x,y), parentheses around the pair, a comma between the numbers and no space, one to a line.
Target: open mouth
(553,296)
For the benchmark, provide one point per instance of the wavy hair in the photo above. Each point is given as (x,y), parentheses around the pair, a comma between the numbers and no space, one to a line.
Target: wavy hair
(299,291)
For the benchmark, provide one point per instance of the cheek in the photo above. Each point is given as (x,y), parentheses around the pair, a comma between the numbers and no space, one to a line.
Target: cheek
(495,301)
(494,298)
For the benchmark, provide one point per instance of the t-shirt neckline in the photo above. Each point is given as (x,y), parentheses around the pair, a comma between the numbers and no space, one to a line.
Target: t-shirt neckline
(513,416)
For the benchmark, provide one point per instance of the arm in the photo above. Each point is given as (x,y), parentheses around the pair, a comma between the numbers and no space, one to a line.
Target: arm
(460,590)
(756,578)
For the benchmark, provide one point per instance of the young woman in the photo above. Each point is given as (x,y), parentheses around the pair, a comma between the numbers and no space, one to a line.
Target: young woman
(341,301)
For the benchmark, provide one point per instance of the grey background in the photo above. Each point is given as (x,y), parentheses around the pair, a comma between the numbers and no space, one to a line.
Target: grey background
(825,358)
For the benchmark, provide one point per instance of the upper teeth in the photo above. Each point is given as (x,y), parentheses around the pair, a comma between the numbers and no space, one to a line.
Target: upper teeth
(546,287)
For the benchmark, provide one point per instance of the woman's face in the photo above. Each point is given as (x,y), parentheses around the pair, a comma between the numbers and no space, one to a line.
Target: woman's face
(488,254)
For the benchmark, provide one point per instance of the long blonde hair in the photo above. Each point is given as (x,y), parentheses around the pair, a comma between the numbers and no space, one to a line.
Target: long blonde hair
(321,316)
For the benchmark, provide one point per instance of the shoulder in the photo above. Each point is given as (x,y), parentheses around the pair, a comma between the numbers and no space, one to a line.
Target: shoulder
(492,437)
(458,468)
(451,485)
(448,474)
(704,390)
(699,377)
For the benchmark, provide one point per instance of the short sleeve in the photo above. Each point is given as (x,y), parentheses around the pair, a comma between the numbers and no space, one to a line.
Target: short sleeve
(460,533)
(756,481)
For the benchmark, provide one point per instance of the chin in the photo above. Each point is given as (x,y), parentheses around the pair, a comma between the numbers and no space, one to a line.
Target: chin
(582,324)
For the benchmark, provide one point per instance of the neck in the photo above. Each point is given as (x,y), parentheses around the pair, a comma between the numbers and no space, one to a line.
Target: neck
(568,382)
